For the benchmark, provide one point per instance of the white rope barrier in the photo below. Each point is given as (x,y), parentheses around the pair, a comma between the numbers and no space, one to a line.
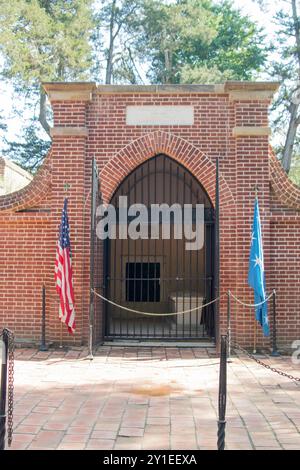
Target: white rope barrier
(154,314)
(250,305)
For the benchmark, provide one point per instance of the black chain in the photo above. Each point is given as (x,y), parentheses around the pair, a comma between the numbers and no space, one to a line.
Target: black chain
(263,364)
(10,397)
(10,385)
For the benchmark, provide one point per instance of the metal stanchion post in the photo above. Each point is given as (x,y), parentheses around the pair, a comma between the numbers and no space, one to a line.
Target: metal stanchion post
(3,387)
(222,393)
(229,323)
(90,354)
(43,346)
(92,308)
(274,352)
(61,335)
(255,337)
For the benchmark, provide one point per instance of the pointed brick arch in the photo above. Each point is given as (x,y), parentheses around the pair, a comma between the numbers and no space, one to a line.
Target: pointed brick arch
(149,145)
(204,169)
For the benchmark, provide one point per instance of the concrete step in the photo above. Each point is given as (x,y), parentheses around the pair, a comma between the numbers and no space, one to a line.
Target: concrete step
(160,343)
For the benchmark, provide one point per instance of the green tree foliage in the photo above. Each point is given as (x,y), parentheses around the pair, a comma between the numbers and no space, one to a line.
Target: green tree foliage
(174,34)
(182,41)
(294,172)
(42,40)
(285,68)
(3,125)
(192,40)
(30,150)
(131,41)
(120,21)
(45,40)
(239,47)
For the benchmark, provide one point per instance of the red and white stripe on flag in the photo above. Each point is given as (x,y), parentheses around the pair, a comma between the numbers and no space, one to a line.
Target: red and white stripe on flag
(64,274)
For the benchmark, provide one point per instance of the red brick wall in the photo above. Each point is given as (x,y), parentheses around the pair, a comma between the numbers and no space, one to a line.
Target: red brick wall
(285,252)
(25,263)
(118,148)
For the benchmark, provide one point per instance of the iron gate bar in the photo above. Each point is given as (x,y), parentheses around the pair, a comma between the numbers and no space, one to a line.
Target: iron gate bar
(155,246)
(106,257)
(183,258)
(190,264)
(147,283)
(163,241)
(122,267)
(134,325)
(217,249)
(170,199)
(122,282)
(94,191)
(142,198)
(177,244)
(197,270)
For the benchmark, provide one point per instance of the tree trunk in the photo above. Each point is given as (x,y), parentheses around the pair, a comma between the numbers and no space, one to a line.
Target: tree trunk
(109,63)
(294,121)
(108,75)
(43,112)
(290,138)
(168,66)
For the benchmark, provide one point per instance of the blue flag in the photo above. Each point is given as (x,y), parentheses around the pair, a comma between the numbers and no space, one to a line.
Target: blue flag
(256,274)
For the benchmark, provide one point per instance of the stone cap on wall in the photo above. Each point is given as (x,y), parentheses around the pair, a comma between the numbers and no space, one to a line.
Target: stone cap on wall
(244,91)
(69,91)
(237,90)
(236,85)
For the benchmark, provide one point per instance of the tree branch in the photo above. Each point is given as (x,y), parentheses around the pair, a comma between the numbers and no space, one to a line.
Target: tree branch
(43,112)
(294,118)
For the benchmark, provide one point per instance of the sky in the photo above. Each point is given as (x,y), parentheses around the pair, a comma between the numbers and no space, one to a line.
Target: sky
(248,7)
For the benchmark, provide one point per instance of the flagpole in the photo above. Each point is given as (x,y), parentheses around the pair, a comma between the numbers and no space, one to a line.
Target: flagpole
(60,335)
(92,258)
(255,337)
(255,330)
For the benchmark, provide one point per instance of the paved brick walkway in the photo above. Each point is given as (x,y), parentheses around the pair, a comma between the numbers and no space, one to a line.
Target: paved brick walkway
(150,398)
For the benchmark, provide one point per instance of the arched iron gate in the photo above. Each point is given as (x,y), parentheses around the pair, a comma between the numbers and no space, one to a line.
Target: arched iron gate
(160,275)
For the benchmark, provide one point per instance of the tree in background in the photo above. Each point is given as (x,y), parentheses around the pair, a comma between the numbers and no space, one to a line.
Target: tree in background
(174,34)
(131,41)
(285,68)
(294,173)
(200,41)
(30,151)
(120,22)
(42,40)
(183,41)
(3,125)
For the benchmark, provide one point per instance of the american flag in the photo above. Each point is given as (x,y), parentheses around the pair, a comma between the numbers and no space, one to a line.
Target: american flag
(64,273)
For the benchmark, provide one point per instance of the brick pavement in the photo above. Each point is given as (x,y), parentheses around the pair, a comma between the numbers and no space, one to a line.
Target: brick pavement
(150,398)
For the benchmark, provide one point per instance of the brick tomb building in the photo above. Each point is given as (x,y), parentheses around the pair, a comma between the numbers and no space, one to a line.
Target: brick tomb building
(153,144)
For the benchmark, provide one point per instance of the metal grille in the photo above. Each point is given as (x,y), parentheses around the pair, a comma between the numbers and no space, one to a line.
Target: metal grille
(160,275)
